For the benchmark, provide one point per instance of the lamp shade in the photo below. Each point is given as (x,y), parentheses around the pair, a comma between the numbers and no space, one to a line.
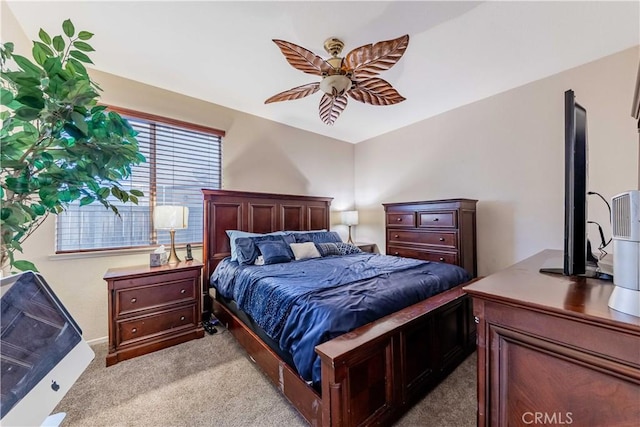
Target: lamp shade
(349,217)
(170,217)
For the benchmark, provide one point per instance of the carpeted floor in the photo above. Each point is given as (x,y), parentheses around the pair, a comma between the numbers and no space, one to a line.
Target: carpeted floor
(211,382)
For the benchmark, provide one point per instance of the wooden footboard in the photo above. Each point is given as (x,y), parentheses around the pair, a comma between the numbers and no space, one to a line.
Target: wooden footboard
(373,374)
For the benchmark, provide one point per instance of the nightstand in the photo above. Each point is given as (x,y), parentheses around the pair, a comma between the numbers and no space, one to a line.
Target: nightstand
(151,308)
(367,247)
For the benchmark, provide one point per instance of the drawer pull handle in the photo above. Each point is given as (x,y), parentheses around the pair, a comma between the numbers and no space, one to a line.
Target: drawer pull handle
(436,219)
(441,239)
(133,300)
(399,219)
(395,253)
(134,330)
(396,236)
(475,319)
(441,259)
(181,317)
(182,291)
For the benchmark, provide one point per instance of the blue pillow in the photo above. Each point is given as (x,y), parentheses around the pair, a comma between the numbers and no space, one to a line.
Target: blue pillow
(248,251)
(234,235)
(318,237)
(275,251)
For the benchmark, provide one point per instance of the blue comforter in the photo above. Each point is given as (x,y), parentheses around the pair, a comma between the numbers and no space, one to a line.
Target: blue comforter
(304,303)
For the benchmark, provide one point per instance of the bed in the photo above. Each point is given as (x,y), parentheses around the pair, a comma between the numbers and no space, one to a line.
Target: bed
(370,375)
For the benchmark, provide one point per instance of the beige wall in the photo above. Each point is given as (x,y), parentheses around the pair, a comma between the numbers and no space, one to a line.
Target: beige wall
(258,155)
(507,151)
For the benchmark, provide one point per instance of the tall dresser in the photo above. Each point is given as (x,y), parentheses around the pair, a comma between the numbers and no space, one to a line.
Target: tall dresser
(435,230)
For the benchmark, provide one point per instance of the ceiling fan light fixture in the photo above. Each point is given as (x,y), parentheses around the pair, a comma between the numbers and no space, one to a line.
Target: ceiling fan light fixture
(339,82)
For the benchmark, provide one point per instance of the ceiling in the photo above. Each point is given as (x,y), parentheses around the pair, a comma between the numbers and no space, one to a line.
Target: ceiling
(459,52)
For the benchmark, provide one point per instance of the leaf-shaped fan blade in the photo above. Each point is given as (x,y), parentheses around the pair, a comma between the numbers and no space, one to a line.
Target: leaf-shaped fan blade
(375,91)
(295,93)
(331,107)
(369,60)
(303,59)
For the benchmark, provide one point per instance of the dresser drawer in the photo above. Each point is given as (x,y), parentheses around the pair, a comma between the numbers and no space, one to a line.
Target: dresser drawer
(144,297)
(443,239)
(447,257)
(401,219)
(165,322)
(437,219)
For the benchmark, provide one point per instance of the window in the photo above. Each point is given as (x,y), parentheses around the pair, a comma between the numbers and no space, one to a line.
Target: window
(182,159)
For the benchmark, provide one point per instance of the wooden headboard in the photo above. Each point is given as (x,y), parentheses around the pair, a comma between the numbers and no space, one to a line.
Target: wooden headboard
(257,213)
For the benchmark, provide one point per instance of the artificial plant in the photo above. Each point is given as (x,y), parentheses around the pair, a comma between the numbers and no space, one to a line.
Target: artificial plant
(58,145)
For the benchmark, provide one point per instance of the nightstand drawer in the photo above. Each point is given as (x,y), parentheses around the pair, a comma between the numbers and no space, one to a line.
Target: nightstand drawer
(447,257)
(163,322)
(437,219)
(401,219)
(444,239)
(144,297)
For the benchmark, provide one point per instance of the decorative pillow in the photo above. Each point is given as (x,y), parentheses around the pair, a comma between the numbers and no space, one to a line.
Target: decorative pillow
(275,251)
(318,237)
(326,249)
(347,248)
(236,234)
(304,250)
(248,251)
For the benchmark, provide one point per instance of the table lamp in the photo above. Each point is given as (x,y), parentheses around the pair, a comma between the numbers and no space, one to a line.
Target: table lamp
(171,218)
(349,218)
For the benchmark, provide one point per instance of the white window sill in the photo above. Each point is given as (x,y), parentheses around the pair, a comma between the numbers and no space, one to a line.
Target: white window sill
(110,253)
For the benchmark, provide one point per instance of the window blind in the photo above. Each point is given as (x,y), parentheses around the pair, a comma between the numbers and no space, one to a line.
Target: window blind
(182,159)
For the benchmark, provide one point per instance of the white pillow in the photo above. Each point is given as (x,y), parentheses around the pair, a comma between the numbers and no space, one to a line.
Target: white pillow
(304,250)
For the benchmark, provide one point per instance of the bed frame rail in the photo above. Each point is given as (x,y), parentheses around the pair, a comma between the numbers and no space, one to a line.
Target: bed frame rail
(372,375)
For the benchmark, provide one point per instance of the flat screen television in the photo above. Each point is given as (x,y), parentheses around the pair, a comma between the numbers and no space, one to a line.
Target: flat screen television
(42,352)
(577,254)
(575,188)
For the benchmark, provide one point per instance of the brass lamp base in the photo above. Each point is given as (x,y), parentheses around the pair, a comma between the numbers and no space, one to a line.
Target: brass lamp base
(350,241)
(173,257)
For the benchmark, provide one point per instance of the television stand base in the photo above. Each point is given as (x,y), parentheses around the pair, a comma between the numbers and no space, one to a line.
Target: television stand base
(603,270)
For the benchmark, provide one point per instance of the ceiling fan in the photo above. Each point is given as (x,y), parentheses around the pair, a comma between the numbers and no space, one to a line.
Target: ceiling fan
(354,75)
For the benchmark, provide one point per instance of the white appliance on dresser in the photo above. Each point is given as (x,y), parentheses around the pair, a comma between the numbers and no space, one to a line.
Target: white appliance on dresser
(625,220)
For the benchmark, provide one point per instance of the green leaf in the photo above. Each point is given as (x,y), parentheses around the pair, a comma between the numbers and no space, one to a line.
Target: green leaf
(38,54)
(39,209)
(137,193)
(58,43)
(80,56)
(5,97)
(79,68)
(28,66)
(52,66)
(78,120)
(85,47)
(44,36)
(87,200)
(98,108)
(104,192)
(85,35)
(68,28)
(23,265)
(41,52)
(27,113)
